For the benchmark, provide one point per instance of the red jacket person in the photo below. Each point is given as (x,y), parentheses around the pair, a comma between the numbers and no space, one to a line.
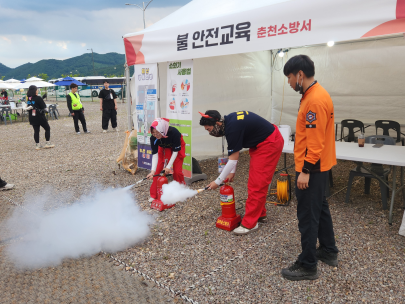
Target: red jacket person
(246,129)
(168,149)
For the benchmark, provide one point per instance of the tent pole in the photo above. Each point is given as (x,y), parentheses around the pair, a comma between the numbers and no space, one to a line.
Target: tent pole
(127,95)
(271,83)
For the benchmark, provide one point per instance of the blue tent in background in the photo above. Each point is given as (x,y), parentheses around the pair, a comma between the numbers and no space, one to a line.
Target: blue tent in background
(67,81)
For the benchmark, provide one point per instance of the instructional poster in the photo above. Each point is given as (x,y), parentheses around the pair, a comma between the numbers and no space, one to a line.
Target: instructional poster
(146,110)
(180,104)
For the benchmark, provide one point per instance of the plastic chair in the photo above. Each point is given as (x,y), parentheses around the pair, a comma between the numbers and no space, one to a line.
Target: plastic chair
(377,169)
(388,125)
(4,113)
(350,124)
(23,112)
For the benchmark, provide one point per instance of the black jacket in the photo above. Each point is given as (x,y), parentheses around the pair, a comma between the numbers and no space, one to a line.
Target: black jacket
(40,106)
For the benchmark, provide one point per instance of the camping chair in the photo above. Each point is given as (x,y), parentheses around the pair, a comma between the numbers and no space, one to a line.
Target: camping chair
(4,113)
(377,169)
(388,125)
(52,111)
(350,124)
(23,112)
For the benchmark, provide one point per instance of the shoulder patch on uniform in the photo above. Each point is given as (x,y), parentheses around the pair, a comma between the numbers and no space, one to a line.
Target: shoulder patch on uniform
(311,116)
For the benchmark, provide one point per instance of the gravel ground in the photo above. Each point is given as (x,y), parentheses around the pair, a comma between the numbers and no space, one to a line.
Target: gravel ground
(185,247)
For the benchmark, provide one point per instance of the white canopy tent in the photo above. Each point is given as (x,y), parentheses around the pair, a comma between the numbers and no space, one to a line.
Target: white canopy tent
(38,82)
(234,45)
(5,85)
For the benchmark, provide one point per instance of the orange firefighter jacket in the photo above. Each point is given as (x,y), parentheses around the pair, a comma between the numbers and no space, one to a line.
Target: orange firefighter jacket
(315,137)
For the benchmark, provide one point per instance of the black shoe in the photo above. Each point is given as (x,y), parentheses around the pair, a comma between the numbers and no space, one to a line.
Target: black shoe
(329,258)
(296,272)
(262,219)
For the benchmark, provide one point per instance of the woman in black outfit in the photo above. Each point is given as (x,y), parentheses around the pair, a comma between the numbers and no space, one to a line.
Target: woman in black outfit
(37,117)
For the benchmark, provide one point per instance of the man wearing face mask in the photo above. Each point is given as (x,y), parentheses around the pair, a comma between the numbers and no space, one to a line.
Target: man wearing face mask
(168,149)
(246,129)
(314,155)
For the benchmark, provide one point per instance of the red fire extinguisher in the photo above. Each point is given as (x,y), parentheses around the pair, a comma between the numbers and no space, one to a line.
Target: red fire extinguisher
(157,203)
(229,220)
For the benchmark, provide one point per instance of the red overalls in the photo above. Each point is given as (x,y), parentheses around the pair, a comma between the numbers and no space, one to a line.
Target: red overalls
(164,157)
(263,161)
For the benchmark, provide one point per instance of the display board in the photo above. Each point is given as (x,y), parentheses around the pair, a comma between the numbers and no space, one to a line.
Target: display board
(179,106)
(146,110)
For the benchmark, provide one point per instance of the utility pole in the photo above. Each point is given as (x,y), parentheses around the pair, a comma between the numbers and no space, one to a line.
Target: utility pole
(143,8)
(92,58)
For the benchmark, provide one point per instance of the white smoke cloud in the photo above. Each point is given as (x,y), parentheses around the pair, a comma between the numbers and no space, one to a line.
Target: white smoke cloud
(108,220)
(176,192)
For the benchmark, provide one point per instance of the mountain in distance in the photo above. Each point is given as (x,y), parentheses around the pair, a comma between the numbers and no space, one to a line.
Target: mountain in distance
(110,64)
(4,69)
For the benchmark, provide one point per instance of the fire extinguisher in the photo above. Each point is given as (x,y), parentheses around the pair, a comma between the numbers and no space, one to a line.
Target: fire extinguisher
(157,203)
(229,220)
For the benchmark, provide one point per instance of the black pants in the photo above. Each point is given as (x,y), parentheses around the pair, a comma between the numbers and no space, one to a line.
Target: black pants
(314,219)
(2,183)
(44,124)
(107,115)
(79,115)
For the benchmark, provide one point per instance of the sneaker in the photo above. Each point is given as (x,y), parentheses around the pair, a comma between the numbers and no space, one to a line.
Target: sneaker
(262,219)
(48,145)
(151,199)
(87,132)
(7,187)
(296,272)
(242,230)
(329,258)
(115,129)
(38,146)
(78,133)
(104,131)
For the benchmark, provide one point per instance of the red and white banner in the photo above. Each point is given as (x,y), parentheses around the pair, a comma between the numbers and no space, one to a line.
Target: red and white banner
(273,25)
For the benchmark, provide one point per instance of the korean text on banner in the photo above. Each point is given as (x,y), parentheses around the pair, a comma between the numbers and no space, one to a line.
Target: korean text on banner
(179,107)
(146,110)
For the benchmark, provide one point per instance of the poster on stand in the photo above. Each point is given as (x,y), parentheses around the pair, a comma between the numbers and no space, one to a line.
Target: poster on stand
(179,106)
(146,110)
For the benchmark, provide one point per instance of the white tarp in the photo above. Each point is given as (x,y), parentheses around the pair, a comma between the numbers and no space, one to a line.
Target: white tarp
(205,28)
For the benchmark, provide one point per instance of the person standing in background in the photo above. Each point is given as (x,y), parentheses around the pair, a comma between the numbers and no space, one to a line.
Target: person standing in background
(76,109)
(108,104)
(36,115)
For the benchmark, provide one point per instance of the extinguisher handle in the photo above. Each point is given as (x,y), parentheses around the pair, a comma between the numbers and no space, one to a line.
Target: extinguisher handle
(225,181)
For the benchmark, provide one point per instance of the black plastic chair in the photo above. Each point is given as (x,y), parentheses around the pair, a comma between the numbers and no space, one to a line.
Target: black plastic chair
(351,124)
(377,169)
(388,125)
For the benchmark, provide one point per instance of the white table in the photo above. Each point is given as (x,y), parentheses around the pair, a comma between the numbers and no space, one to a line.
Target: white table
(387,155)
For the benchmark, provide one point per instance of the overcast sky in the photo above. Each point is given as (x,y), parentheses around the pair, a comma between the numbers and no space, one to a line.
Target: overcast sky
(58,29)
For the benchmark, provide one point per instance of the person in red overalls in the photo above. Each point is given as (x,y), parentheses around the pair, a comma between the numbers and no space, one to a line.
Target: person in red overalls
(246,129)
(168,149)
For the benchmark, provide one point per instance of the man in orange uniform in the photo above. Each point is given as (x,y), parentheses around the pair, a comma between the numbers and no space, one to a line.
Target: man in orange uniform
(314,155)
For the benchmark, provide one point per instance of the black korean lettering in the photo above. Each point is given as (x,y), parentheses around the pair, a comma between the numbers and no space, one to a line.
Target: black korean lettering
(196,36)
(182,42)
(210,34)
(243,31)
(225,37)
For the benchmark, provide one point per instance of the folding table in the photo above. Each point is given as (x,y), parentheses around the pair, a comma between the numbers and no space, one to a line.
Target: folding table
(393,156)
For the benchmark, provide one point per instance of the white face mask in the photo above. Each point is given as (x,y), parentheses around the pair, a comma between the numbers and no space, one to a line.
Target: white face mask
(298,87)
